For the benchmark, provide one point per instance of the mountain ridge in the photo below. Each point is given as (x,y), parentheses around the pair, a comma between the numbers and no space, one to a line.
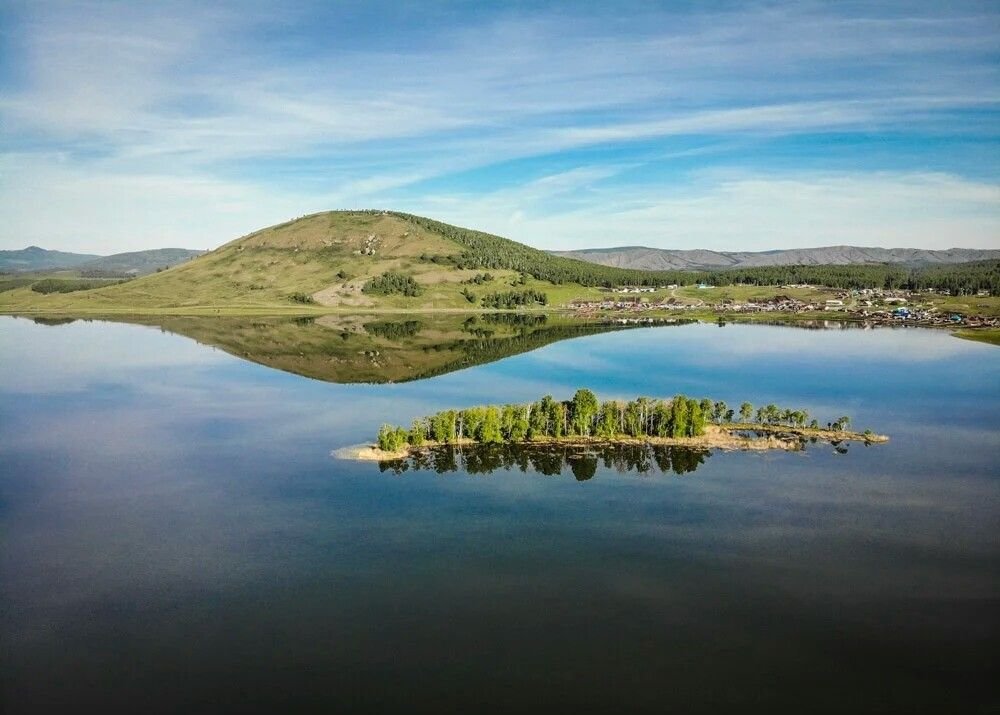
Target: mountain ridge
(35,258)
(654,259)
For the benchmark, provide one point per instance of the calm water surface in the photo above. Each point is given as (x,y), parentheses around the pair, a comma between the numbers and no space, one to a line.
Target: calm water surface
(176,536)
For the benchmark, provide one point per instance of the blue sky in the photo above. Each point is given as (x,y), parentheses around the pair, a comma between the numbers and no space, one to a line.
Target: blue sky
(730,126)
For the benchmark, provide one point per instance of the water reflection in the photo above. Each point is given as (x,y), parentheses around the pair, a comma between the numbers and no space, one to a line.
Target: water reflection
(581,461)
(175,537)
(366,349)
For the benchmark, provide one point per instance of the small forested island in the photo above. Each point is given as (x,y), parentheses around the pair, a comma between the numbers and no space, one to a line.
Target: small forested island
(678,421)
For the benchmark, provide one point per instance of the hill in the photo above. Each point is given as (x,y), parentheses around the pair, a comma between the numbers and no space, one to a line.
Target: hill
(34,258)
(659,259)
(332,259)
(380,260)
(138,262)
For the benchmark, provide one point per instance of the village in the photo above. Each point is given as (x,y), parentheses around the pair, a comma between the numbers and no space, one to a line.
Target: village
(873,306)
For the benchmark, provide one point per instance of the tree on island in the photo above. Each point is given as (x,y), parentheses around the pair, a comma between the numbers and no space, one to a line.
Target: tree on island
(584,407)
(584,416)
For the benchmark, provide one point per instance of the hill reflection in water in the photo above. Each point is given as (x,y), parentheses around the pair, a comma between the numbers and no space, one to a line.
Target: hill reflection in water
(381,348)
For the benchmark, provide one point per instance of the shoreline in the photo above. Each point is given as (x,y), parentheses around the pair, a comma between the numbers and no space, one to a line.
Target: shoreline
(985,334)
(716,437)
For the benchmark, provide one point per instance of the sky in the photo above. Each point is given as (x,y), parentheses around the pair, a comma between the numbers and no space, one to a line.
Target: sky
(725,126)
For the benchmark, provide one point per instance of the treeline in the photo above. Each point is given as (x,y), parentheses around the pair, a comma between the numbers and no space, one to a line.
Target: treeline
(70,285)
(514,299)
(956,278)
(391,283)
(487,251)
(585,416)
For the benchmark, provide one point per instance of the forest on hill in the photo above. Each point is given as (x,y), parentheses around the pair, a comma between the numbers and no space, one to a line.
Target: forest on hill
(487,251)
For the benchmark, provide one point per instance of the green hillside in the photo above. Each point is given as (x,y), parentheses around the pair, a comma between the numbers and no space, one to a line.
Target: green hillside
(339,260)
(379,260)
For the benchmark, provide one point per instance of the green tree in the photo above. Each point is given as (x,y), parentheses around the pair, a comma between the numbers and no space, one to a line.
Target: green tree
(520,427)
(680,416)
(508,414)
(662,419)
(391,439)
(417,431)
(698,418)
(491,431)
(746,412)
(633,419)
(584,408)
(443,426)
(607,421)
(558,421)
(538,421)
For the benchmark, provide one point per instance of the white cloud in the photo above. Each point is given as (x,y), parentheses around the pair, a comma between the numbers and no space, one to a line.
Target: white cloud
(745,211)
(131,125)
(63,206)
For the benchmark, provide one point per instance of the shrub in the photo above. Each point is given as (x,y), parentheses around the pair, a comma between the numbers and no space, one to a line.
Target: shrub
(390,283)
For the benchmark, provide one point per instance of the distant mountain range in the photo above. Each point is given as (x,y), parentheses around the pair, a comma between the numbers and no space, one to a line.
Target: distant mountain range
(139,263)
(657,259)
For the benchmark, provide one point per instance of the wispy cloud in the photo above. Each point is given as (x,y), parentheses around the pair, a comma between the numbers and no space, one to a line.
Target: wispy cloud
(126,113)
(740,211)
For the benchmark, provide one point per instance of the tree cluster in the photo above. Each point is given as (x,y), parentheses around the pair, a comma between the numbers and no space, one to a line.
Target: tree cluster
(583,416)
(586,416)
(391,283)
(70,285)
(514,299)
(479,279)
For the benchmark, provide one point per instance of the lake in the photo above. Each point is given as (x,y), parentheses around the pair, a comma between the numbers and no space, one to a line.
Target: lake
(177,536)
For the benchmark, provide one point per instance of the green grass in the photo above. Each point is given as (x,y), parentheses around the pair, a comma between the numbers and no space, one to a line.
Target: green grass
(747,293)
(7,284)
(990,336)
(967,304)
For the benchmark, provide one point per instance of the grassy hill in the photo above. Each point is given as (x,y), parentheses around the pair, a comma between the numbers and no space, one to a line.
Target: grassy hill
(378,260)
(324,261)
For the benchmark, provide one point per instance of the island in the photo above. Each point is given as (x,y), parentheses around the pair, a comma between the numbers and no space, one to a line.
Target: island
(679,421)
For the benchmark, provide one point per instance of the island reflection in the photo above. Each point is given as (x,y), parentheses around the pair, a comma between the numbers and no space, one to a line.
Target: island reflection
(552,460)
